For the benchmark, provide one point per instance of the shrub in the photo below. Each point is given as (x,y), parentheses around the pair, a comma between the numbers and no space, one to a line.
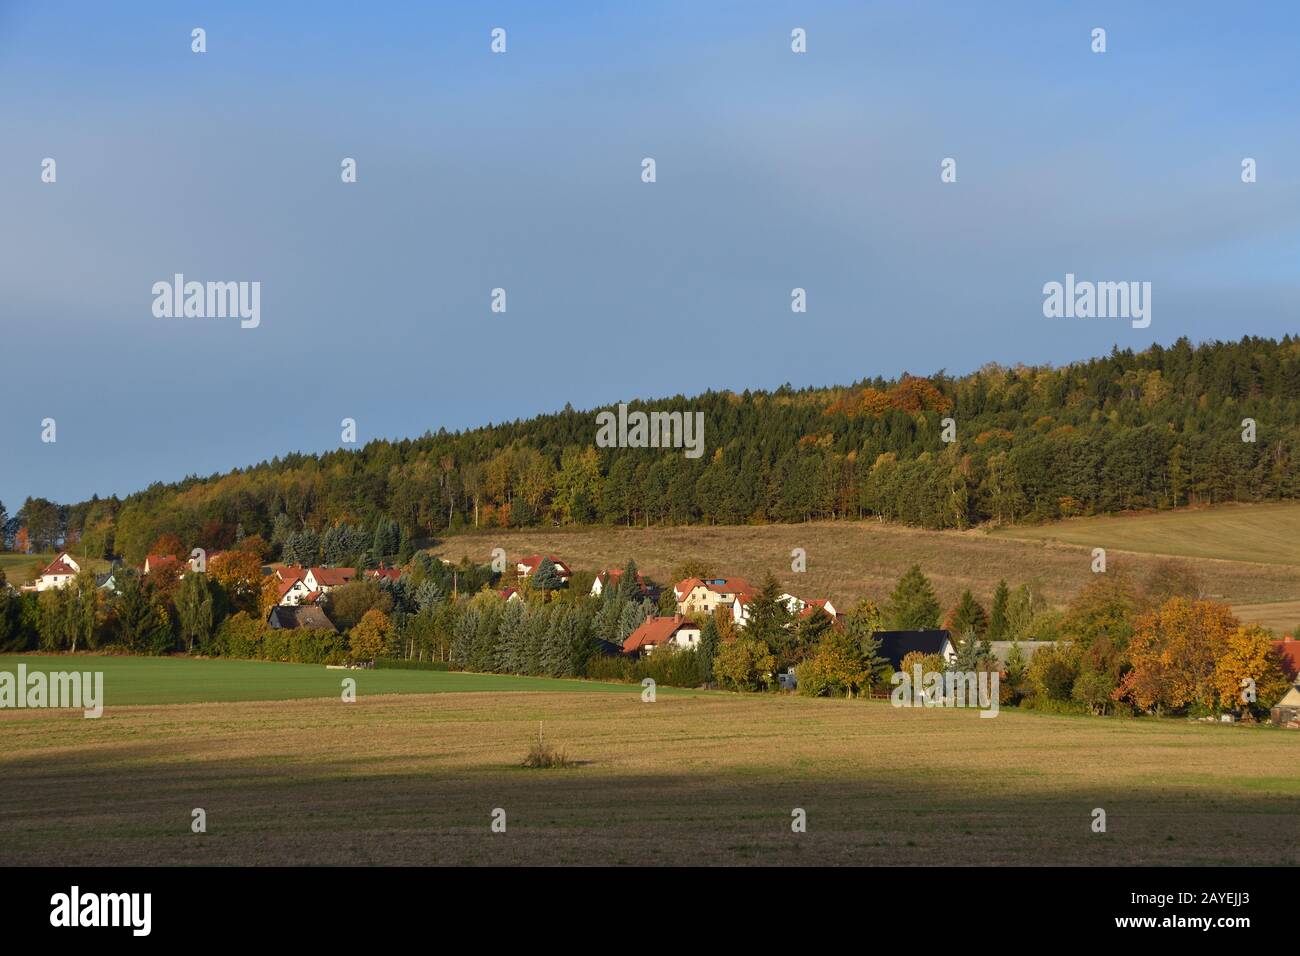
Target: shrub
(542,755)
(611,667)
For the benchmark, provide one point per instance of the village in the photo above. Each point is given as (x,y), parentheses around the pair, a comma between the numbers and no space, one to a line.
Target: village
(703,614)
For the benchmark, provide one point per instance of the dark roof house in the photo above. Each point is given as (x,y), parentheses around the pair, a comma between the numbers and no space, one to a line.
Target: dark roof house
(303,617)
(895,645)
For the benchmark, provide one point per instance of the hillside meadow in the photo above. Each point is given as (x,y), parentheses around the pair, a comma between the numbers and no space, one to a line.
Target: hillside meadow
(1266,533)
(849,560)
(690,779)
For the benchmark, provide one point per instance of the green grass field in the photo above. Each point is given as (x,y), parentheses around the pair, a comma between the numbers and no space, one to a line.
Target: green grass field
(1257,533)
(178,680)
(21,569)
(18,568)
(691,779)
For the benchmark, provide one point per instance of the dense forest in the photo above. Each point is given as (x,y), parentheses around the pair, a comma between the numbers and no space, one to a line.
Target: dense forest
(1154,429)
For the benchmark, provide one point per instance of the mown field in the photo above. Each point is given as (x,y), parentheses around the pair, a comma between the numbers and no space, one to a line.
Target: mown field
(851,560)
(689,779)
(179,680)
(1253,535)
(20,569)
(1260,533)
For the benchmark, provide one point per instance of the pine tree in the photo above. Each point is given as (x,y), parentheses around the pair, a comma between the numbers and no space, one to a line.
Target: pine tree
(547,576)
(998,619)
(968,615)
(913,606)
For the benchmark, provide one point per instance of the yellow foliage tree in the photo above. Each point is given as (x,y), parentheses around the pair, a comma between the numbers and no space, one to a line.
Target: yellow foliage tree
(1249,663)
(745,664)
(370,636)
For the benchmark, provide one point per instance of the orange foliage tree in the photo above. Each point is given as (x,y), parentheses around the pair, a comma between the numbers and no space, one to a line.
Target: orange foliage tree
(240,574)
(1174,653)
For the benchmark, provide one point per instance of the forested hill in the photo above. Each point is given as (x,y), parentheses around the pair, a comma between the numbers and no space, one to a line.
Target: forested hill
(1159,428)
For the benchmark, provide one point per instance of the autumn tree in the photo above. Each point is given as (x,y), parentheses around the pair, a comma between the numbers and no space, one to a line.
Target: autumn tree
(168,544)
(240,575)
(1248,662)
(347,605)
(1107,605)
(744,664)
(836,668)
(369,637)
(255,544)
(1174,653)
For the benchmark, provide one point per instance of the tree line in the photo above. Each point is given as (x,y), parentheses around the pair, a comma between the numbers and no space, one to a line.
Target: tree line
(1158,428)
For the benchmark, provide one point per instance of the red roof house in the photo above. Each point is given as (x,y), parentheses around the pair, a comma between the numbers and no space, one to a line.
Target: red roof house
(1289,650)
(657,631)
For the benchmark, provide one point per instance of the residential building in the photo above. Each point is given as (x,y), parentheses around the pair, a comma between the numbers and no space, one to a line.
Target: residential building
(300,618)
(612,576)
(895,645)
(529,565)
(705,595)
(57,573)
(661,631)
(325,580)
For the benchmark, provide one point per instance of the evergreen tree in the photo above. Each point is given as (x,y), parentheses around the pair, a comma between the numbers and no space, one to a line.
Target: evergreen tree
(769,618)
(998,618)
(968,615)
(971,651)
(628,587)
(547,576)
(913,606)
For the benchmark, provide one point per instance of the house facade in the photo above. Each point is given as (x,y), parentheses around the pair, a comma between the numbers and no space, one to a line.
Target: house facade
(706,595)
(797,607)
(324,580)
(57,574)
(662,631)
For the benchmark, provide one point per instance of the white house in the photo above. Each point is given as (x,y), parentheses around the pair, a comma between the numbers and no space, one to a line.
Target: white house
(529,565)
(797,607)
(292,590)
(57,573)
(660,631)
(325,580)
(612,576)
(705,595)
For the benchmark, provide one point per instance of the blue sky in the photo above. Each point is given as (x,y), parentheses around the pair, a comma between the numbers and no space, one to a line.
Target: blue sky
(522,170)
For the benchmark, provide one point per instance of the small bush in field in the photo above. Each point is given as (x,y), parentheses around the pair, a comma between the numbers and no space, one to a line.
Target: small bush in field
(542,755)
